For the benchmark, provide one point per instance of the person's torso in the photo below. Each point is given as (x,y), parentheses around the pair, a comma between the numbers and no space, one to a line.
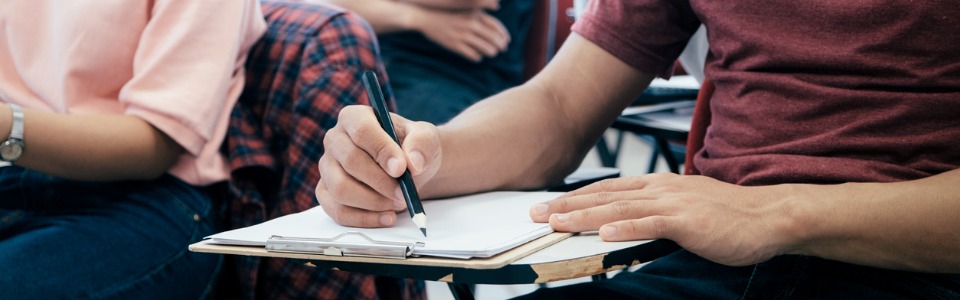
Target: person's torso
(54,58)
(831,91)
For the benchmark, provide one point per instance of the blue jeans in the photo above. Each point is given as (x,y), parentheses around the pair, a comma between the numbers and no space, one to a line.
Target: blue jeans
(683,275)
(71,239)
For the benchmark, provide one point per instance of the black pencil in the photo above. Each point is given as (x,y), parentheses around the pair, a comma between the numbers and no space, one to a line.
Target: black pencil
(414,207)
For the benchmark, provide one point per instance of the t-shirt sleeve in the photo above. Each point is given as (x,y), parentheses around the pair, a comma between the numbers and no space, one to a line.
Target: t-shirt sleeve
(189,56)
(646,34)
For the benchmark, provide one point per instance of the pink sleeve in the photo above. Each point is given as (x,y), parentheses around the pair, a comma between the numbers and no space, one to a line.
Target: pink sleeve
(188,64)
(646,34)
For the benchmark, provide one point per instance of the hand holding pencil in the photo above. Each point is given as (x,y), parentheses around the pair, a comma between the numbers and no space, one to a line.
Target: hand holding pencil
(410,195)
(362,166)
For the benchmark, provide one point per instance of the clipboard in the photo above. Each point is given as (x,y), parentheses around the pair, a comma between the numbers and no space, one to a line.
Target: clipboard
(335,247)
(473,226)
(315,257)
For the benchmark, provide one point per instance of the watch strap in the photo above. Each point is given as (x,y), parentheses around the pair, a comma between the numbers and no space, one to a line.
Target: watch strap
(16,130)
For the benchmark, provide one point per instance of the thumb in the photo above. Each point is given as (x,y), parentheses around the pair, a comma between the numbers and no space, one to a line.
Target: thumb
(421,145)
(366,133)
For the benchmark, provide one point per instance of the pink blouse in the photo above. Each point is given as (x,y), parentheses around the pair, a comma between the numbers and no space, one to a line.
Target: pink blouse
(177,64)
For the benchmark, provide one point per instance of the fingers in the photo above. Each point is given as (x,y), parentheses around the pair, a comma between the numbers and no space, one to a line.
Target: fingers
(495,31)
(421,143)
(648,228)
(346,190)
(358,142)
(592,218)
(350,216)
(485,36)
(490,4)
(358,169)
(363,130)
(597,194)
(489,36)
(606,186)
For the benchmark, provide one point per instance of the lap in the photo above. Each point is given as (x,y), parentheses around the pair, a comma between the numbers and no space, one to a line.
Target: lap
(431,96)
(683,275)
(73,239)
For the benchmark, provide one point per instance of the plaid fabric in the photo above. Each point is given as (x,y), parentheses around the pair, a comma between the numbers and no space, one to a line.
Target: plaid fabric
(305,69)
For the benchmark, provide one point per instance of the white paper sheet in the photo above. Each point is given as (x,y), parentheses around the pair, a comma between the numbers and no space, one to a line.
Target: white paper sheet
(479,225)
(582,245)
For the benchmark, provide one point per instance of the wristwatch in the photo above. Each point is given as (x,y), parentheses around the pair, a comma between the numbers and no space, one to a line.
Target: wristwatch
(11,149)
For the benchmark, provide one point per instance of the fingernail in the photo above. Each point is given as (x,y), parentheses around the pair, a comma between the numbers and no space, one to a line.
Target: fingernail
(540,209)
(416,160)
(386,219)
(609,230)
(562,218)
(393,165)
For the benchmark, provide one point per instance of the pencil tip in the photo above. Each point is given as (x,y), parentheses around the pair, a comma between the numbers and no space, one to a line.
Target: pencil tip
(424,230)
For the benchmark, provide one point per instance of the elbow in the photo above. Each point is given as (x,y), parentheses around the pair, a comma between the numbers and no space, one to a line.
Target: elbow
(147,173)
(156,162)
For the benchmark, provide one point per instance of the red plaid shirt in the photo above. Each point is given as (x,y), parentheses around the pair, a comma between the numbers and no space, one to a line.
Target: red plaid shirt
(303,71)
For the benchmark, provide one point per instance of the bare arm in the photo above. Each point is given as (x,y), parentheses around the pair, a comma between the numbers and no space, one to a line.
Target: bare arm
(471,33)
(458,4)
(95,147)
(526,137)
(908,225)
(535,134)
(905,225)
(384,15)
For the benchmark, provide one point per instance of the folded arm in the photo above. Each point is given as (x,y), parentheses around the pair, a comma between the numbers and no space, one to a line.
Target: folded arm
(471,33)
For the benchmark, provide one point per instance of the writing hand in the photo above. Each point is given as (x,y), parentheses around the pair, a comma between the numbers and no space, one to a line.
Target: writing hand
(722,222)
(360,164)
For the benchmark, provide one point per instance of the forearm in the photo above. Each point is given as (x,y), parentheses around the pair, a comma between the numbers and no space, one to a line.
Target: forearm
(535,134)
(384,15)
(905,225)
(503,143)
(456,4)
(92,147)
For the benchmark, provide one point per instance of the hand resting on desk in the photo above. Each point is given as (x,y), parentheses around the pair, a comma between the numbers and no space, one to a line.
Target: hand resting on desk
(722,222)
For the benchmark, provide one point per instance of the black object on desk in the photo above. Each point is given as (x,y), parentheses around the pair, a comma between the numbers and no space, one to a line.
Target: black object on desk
(662,136)
(414,207)
(657,94)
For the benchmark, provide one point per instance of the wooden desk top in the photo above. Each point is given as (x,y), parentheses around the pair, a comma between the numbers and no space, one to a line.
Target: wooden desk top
(500,269)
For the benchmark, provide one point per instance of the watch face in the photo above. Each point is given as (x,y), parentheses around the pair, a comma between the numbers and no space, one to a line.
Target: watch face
(10,151)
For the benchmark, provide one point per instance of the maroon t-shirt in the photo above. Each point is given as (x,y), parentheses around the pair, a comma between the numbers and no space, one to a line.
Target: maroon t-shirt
(808,91)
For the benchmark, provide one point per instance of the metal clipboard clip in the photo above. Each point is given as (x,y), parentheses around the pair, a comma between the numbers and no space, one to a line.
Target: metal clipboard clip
(335,247)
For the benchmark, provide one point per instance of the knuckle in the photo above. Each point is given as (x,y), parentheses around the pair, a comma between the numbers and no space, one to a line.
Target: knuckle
(328,138)
(636,182)
(354,154)
(335,190)
(660,226)
(333,211)
(560,205)
(585,214)
(621,208)
(364,133)
(607,184)
(604,198)
(653,176)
